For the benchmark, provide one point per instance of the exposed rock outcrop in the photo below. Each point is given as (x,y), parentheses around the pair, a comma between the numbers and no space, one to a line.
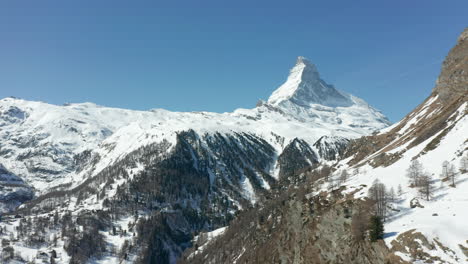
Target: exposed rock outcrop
(453,79)
(331,147)
(296,156)
(296,228)
(433,117)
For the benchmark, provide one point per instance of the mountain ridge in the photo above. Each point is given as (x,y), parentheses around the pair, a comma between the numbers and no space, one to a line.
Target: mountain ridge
(156,178)
(324,216)
(64,132)
(305,87)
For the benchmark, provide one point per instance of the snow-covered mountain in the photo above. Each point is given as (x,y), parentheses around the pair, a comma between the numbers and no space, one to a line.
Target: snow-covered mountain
(44,144)
(434,134)
(176,173)
(13,190)
(305,88)
(420,167)
(115,185)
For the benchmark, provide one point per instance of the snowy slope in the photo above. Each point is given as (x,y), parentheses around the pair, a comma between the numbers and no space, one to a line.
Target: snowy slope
(435,132)
(39,141)
(13,190)
(47,145)
(443,218)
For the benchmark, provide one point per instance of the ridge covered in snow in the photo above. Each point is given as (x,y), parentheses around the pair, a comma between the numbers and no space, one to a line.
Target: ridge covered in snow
(45,144)
(305,87)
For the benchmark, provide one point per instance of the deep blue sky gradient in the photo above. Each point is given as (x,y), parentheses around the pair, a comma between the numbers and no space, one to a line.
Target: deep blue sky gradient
(222,55)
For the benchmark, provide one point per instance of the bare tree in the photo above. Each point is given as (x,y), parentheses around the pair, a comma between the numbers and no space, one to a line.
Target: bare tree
(344,176)
(426,188)
(414,172)
(332,183)
(391,195)
(378,193)
(359,224)
(399,191)
(464,164)
(444,175)
(452,174)
(326,172)
(448,172)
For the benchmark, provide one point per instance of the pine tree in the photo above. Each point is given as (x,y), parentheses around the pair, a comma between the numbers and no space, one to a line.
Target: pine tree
(376,228)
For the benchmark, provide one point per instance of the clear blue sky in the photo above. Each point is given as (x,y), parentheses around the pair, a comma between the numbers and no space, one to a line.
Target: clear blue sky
(221,55)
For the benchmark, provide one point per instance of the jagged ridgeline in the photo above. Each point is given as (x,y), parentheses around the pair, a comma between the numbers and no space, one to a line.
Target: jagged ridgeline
(197,185)
(82,183)
(88,183)
(338,214)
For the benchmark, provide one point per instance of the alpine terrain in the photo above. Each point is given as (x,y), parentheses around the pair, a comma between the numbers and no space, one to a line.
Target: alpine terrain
(312,175)
(106,184)
(397,196)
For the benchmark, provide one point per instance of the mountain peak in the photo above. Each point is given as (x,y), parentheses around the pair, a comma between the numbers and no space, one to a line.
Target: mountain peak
(305,87)
(303,60)
(304,70)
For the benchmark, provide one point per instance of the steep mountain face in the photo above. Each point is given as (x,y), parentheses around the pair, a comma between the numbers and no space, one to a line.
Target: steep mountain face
(322,218)
(307,98)
(154,178)
(429,122)
(304,88)
(433,135)
(331,148)
(296,156)
(116,185)
(45,144)
(295,228)
(13,190)
(452,81)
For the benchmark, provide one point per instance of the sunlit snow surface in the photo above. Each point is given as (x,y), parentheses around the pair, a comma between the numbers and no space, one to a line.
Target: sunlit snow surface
(27,128)
(450,225)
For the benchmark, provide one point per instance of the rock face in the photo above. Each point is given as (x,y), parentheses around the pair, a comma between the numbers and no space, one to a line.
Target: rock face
(414,243)
(309,99)
(331,147)
(174,173)
(296,156)
(305,87)
(437,115)
(295,229)
(13,191)
(453,79)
